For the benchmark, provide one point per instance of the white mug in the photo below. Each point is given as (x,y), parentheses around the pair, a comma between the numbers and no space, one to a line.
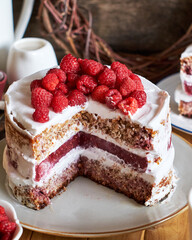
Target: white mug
(7,35)
(29,55)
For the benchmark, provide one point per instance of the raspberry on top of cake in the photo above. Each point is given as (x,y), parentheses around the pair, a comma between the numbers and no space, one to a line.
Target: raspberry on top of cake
(76,79)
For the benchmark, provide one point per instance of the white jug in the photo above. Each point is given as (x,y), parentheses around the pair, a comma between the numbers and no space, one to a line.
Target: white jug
(7,35)
(29,55)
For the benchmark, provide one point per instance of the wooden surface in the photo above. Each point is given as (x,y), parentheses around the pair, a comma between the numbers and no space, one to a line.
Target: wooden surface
(176,228)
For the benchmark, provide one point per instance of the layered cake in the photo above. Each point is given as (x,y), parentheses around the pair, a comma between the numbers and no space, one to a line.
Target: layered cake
(183,93)
(85,119)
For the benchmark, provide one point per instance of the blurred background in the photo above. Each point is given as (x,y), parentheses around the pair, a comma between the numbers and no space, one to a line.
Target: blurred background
(128,26)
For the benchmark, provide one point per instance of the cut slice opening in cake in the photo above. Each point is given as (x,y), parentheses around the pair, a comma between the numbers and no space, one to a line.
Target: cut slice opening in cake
(85,119)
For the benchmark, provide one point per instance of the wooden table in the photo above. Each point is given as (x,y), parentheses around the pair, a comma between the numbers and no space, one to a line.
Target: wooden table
(176,228)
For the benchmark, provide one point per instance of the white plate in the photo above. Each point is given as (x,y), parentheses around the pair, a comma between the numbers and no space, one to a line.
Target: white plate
(178,121)
(88,209)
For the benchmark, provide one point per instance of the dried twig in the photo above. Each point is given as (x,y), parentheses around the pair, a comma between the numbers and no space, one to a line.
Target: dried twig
(65,22)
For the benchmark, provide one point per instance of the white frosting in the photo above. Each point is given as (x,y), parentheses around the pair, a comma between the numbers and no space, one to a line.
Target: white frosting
(185,78)
(26,164)
(181,95)
(23,162)
(187,52)
(18,105)
(15,177)
(158,193)
(154,174)
(150,115)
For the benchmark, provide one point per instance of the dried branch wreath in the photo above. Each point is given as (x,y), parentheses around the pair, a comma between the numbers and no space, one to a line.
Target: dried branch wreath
(67,25)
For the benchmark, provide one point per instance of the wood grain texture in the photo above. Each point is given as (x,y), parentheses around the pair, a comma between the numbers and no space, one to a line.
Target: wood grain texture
(186,136)
(176,228)
(41,236)
(27,234)
(129,236)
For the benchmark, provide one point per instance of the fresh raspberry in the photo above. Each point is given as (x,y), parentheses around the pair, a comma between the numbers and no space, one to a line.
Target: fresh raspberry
(59,73)
(112,98)
(128,105)
(3,217)
(7,226)
(41,114)
(137,80)
(6,236)
(76,98)
(107,77)
(58,92)
(90,67)
(41,97)
(140,96)
(116,65)
(69,64)
(59,102)
(63,87)
(72,79)
(50,81)
(127,86)
(2,210)
(86,84)
(35,84)
(121,72)
(80,60)
(98,93)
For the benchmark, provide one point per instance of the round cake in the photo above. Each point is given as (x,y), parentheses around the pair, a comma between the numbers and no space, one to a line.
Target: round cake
(116,132)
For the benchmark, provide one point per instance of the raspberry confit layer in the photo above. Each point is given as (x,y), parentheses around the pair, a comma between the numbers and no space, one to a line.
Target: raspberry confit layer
(86,119)
(183,93)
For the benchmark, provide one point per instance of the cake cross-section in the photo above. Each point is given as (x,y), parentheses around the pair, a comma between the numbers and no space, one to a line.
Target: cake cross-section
(85,119)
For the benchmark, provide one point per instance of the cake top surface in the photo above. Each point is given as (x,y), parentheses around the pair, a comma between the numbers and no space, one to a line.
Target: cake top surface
(187,52)
(18,106)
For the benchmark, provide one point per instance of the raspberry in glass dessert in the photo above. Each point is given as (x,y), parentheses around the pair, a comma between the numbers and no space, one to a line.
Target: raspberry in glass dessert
(183,93)
(86,119)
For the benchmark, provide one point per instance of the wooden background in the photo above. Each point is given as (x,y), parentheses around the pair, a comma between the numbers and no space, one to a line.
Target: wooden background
(137,26)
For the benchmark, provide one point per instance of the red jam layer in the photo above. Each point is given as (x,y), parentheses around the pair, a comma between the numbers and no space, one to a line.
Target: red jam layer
(86,140)
(188,70)
(44,167)
(138,163)
(188,88)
